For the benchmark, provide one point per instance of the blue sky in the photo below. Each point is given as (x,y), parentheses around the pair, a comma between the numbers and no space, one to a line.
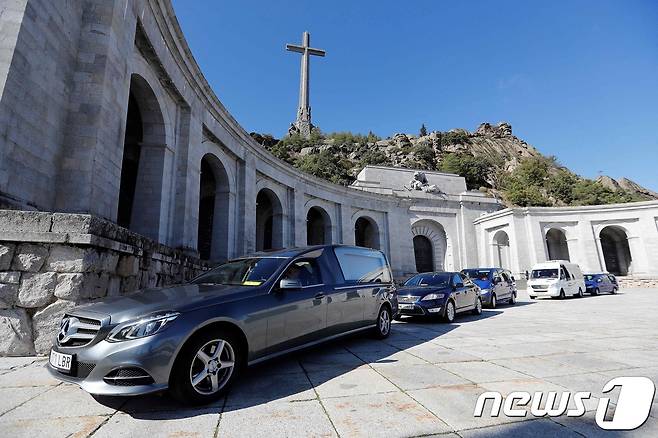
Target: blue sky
(576,79)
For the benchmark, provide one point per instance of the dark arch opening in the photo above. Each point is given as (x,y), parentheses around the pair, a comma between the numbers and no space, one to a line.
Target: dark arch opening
(213,210)
(269,221)
(366,233)
(130,162)
(556,243)
(501,250)
(423,254)
(318,227)
(616,252)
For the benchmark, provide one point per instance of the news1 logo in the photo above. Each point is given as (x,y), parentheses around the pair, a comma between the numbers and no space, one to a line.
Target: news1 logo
(631,409)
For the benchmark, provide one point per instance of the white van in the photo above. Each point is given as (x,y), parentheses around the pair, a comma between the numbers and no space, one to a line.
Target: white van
(556,278)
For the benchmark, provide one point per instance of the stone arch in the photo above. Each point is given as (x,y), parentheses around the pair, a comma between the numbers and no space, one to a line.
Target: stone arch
(616,251)
(501,249)
(269,220)
(556,244)
(143,163)
(318,226)
(366,232)
(435,232)
(214,210)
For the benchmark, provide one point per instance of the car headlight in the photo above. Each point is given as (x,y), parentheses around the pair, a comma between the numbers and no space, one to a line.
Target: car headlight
(429,297)
(485,291)
(143,327)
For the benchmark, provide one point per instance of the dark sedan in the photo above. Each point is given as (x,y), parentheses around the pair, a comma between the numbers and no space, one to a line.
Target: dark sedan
(598,283)
(194,339)
(439,294)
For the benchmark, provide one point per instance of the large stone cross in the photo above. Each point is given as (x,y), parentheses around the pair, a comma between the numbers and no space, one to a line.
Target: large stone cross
(303,123)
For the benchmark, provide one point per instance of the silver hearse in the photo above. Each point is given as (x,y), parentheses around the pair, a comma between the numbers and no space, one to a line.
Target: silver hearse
(194,339)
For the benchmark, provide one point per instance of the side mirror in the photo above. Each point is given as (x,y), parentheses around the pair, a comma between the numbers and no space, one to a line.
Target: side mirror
(290,284)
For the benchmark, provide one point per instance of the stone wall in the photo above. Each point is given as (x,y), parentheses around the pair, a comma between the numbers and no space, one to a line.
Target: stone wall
(49,262)
(633,282)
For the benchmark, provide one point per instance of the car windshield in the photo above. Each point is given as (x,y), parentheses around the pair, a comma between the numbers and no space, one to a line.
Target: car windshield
(544,273)
(244,272)
(440,279)
(477,274)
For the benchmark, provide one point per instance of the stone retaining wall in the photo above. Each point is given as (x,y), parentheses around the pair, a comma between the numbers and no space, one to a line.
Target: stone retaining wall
(634,282)
(49,262)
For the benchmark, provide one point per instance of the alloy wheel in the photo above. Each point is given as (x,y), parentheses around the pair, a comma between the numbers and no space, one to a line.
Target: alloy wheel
(450,311)
(212,367)
(384,321)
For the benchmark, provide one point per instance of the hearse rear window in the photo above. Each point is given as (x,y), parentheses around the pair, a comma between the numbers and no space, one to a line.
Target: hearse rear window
(362,265)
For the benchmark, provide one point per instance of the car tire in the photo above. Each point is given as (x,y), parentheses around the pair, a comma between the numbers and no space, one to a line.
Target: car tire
(450,312)
(200,356)
(512,299)
(614,290)
(494,303)
(397,317)
(478,307)
(562,294)
(580,293)
(383,323)
(596,291)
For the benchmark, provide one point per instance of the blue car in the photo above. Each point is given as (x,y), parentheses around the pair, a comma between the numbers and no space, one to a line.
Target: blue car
(599,283)
(439,294)
(496,285)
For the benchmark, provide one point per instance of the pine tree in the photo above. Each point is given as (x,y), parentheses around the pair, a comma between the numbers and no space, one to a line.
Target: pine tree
(423,130)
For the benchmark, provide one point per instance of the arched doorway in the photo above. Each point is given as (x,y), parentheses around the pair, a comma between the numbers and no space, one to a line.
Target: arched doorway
(318,227)
(556,244)
(434,232)
(142,166)
(214,192)
(501,250)
(616,252)
(366,233)
(269,221)
(423,254)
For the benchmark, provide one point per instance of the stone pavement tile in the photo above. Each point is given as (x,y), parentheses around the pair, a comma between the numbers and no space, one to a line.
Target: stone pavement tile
(479,372)
(455,405)
(650,372)
(420,376)
(390,415)
(592,382)
(589,362)
(439,354)
(317,361)
(7,363)
(633,358)
(586,426)
(360,381)
(11,397)
(491,352)
(522,429)
(278,419)
(285,365)
(261,388)
(186,423)
(378,359)
(536,348)
(62,401)
(359,345)
(35,374)
(70,427)
(540,366)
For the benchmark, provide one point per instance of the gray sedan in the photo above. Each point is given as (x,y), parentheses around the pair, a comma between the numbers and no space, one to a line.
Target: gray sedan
(194,339)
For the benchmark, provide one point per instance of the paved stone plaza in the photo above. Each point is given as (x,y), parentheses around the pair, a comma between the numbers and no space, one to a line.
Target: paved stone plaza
(423,380)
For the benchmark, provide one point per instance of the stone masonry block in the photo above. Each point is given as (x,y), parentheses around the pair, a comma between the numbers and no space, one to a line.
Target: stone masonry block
(15,333)
(109,261)
(45,324)
(64,258)
(18,221)
(10,277)
(69,286)
(37,290)
(8,295)
(6,255)
(95,285)
(128,266)
(29,258)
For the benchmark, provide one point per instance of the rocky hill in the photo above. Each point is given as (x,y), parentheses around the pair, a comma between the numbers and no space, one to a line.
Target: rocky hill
(491,159)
